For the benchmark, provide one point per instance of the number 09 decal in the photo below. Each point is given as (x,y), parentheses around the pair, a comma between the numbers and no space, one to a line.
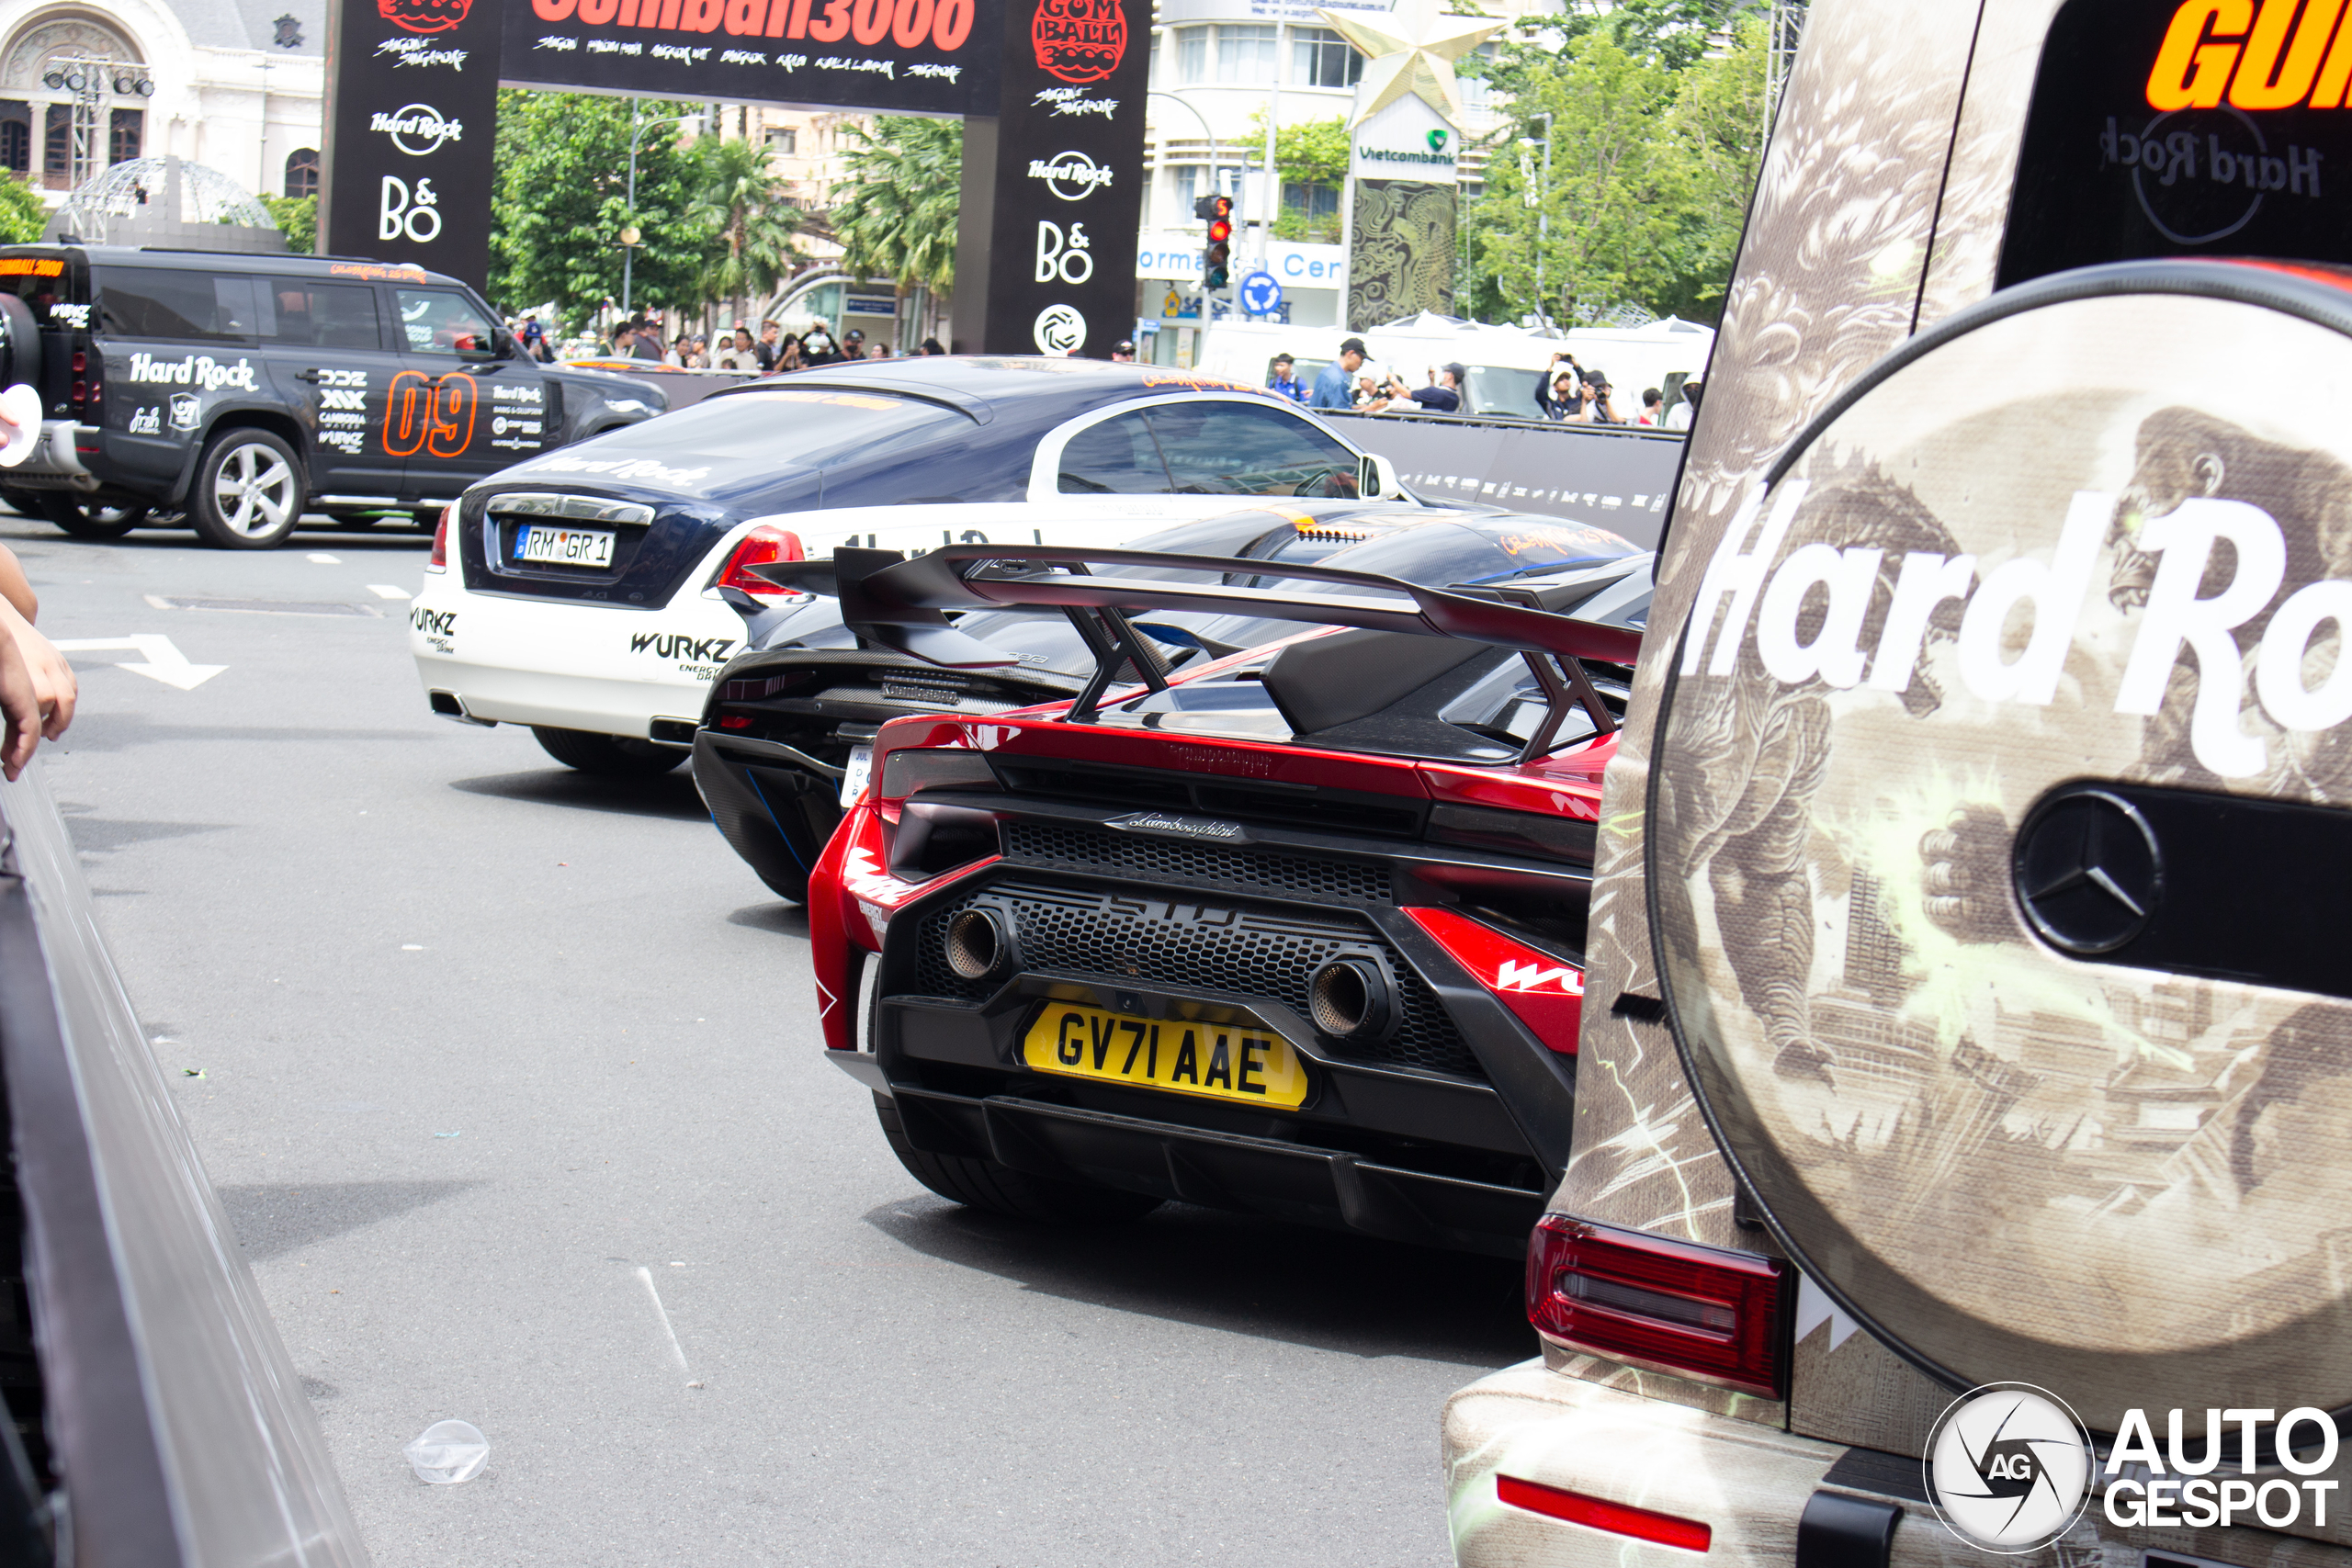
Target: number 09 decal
(430,414)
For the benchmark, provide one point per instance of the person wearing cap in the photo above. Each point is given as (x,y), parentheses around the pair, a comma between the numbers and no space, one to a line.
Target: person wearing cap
(1559,399)
(1594,407)
(1122,352)
(1331,386)
(852,345)
(1282,379)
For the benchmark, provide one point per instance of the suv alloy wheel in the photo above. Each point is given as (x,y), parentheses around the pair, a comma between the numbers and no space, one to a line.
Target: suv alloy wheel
(249,492)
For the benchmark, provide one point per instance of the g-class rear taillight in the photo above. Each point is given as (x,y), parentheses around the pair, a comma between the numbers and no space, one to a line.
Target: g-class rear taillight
(763,546)
(1670,1306)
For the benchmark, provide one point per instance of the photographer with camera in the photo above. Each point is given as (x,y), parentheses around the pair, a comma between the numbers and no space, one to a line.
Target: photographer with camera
(1594,407)
(1556,391)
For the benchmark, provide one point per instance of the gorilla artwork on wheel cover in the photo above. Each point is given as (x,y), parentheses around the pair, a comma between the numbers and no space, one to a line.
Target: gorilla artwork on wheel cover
(1902,646)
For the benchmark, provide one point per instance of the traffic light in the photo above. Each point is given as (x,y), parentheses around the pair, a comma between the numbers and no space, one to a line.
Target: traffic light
(1218,256)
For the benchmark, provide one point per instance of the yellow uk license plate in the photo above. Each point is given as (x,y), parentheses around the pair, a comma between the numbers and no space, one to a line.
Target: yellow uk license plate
(1221,1061)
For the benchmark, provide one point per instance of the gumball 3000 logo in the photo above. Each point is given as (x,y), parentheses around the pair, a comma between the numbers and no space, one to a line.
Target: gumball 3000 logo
(424,16)
(1078,40)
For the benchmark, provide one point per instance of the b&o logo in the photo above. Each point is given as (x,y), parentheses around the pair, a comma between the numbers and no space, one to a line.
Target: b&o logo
(2009,1467)
(1068,257)
(1061,329)
(414,214)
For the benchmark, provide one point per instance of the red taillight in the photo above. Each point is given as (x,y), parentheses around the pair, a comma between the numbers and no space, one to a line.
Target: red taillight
(1547,993)
(81,393)
(1697,1311)
(81,362)
(439,559)
(1598,1513)
(762,547)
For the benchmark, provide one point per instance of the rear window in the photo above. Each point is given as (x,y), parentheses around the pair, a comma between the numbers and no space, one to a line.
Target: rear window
(55,290)
(2179,129)
(806,426)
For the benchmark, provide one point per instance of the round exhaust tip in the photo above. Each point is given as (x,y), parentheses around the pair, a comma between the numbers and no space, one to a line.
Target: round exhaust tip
(976,944)
(1351,998)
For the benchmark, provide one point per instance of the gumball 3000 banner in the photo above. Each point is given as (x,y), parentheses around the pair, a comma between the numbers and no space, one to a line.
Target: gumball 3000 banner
(904,56)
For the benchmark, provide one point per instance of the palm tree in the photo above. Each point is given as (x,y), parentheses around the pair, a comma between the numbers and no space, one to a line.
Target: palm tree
(738,195)
(896,212)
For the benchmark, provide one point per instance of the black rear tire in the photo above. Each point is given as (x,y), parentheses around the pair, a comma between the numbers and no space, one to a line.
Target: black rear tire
(612,756)
(1001,1189)
(85,519)
(249,493)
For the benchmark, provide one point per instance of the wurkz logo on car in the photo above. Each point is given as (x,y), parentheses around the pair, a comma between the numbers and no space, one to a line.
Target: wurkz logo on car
(435,623)
(680,646)
(196,370)
(2221,51)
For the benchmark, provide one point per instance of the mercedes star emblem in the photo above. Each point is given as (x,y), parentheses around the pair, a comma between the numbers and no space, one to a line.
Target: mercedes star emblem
(2088,873)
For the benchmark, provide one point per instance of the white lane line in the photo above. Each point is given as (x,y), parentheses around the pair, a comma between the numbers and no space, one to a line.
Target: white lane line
(645,1278)
(164,661)
(386,591)
(158,601)
(322,558)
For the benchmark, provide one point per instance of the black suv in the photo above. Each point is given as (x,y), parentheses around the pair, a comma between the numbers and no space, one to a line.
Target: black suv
(244,390)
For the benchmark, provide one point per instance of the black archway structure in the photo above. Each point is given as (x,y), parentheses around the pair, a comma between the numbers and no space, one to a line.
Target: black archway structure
(1051,92)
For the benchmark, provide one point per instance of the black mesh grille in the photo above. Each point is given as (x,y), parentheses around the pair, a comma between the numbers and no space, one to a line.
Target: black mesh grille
(1248,952)
(1134,854)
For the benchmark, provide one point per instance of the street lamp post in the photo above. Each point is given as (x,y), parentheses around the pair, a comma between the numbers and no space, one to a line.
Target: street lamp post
(1544,220)
(1209,136)
(629,241)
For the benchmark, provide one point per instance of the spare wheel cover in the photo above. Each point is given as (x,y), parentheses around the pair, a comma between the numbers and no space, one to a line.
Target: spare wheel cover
(1975,946)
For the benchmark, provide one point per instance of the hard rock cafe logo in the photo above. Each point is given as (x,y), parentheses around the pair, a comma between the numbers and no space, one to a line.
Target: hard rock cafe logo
(424,16)
(1071,177)
(1077,41)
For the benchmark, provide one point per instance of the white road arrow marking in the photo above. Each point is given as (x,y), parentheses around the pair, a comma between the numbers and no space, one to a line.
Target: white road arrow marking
(164,661)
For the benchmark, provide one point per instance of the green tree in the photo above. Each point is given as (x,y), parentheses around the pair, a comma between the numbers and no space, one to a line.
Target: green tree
(1310,155)
(559,204)
(740,198)
(1653,165)
(896,217)
(23,214)
(296,217)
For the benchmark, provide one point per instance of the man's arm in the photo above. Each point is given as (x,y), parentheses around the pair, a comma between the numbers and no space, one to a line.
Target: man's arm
(14,588)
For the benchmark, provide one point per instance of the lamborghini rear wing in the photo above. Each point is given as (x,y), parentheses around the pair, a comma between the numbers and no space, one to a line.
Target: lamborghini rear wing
(902,605)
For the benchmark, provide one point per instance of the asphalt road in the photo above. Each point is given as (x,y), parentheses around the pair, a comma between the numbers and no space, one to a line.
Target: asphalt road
(511,1081)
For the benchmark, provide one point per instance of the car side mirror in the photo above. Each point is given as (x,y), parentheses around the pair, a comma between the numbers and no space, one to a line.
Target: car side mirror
(1376,479)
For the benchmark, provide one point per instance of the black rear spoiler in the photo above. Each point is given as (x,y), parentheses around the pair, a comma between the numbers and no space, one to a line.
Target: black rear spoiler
(902,605)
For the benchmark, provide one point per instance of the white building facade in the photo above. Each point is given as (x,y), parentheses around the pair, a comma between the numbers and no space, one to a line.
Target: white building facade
(237,84)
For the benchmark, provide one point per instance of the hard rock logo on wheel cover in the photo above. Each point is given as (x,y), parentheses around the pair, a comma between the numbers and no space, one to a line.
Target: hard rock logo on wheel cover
(2014,567)
(1079,41)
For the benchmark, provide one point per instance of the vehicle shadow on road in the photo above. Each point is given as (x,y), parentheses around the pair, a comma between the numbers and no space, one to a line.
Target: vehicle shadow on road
(784,919)
(671,795)
(1319,1289)
(271,1221)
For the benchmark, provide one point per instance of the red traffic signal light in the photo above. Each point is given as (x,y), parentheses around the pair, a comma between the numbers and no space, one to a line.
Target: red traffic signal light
(1220,232)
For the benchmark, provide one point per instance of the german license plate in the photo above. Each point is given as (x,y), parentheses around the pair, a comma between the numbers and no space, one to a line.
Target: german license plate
(565,546)
(861,767)
(1221,1061)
